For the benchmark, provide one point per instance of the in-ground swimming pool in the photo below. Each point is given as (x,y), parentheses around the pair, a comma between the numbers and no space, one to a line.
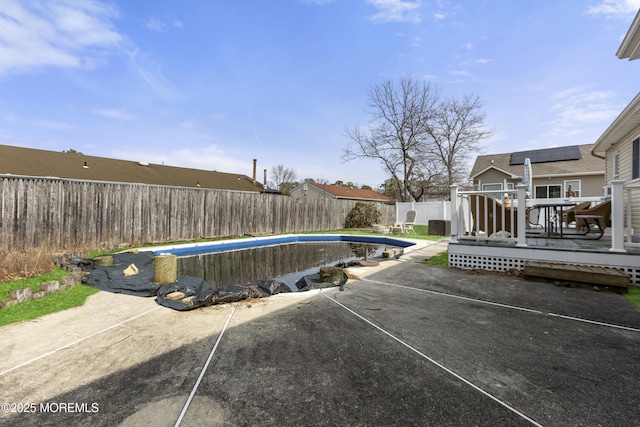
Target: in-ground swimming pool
(286,258)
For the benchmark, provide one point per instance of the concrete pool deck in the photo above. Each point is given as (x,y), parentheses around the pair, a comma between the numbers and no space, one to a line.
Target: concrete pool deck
(405,344)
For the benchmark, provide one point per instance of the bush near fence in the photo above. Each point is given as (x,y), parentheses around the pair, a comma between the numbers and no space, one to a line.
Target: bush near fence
(70,213)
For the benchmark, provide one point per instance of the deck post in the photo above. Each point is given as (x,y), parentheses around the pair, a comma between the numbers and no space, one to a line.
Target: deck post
(617,216)
(522,215)
(454,212)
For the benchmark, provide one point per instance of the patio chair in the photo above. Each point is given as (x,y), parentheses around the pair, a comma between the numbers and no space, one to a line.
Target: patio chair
(533,218)
(599,215)
(407,225)
(569,215)
(478,202)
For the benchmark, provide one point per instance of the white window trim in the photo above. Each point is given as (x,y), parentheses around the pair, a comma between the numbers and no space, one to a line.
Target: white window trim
(615,165)
(566,186)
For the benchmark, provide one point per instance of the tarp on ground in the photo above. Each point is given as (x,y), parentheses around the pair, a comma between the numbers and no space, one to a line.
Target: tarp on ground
(185,297)
(187,293)
(312,281)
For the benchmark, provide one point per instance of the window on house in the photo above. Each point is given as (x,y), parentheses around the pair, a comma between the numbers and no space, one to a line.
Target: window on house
(635,160)
(615,166)
(572,188)
(496,187)
(548,191)
(492,187)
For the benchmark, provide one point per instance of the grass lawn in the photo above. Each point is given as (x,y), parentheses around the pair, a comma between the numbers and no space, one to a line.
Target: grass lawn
(633,295)
(59,301)
(440,260)
(421,233)
(33,283)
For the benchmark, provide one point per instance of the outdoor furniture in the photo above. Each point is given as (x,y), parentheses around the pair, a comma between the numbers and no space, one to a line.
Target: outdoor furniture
(533,218)
(569,215)
(407,224)
(493,210)
(553,226)
(598,215)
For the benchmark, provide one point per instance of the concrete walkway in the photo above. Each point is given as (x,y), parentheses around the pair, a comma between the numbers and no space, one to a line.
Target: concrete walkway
(405,344)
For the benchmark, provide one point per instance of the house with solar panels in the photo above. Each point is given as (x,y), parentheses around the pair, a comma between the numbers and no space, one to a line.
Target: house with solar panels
(588,197)
(571,171)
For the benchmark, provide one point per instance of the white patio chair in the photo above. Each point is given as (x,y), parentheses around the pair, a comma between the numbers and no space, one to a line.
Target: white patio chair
(407,224)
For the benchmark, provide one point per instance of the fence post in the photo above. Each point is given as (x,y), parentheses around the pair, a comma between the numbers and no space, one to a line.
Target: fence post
(522,215)
(454,212)
(617,216)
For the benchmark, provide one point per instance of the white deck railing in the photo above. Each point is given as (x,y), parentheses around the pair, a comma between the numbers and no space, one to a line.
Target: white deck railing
(469,225)
(470,217)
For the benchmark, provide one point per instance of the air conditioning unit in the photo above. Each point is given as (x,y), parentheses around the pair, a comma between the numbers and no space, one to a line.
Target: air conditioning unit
(606,191)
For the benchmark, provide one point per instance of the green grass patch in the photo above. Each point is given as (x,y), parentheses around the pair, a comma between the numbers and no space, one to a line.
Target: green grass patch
(33,283)
(421,233)
(59,301)
(440,260)
(633,295)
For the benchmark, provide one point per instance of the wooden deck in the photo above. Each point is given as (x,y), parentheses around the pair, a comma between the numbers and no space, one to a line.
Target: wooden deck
(503,254)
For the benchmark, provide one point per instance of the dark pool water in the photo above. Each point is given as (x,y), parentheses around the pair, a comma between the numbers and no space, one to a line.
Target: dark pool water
(285,262)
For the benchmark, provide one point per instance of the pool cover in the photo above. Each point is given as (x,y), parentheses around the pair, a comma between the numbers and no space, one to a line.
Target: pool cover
(188,292)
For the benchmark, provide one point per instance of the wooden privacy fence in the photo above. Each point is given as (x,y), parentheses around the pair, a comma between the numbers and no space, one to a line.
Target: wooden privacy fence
(68,213)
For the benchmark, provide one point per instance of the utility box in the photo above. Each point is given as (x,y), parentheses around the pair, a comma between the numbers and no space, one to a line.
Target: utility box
(440,227)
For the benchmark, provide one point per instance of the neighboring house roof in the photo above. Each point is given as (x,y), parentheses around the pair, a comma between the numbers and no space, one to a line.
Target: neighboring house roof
(630,46)
(53,164)
(588,164)
(621,127)
(340,192)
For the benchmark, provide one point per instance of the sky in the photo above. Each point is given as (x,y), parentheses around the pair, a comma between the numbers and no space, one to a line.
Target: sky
(213,85)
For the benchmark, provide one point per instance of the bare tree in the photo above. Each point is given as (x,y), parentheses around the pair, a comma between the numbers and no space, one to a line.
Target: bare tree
(398,133)
(457,132)
(283,178)
(424,143)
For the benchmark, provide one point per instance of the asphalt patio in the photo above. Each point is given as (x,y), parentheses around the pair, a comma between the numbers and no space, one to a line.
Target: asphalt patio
(405,344)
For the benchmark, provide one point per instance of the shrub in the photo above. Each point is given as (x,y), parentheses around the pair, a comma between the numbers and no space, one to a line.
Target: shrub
(25,263)
(362,215)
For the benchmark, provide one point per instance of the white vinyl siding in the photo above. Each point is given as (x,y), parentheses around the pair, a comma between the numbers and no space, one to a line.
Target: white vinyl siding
(624,152)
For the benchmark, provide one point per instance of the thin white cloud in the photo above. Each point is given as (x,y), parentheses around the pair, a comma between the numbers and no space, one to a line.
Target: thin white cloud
(439,16)
(58,33)
(187,124)
(211,157)
(55,125)
(576,107)
(615,8)
(395,11)
(160,26)
(151,73)
(114,114)
(155,25)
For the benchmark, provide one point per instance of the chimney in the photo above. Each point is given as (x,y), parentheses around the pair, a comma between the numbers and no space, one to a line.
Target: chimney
(265,178)
(255,162)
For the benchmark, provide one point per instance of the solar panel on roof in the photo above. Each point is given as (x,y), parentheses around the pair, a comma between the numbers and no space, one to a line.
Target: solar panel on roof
(546,155)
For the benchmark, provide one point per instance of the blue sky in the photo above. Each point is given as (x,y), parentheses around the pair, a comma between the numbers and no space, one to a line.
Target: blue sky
(214,84)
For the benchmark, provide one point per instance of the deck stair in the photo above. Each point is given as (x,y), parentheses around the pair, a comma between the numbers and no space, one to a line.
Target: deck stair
(617,279)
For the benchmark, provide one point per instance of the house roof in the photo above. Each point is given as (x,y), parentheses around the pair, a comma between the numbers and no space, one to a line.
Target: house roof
(621,127)
(588,164)
(630,46)
(341,192)
(53,164)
